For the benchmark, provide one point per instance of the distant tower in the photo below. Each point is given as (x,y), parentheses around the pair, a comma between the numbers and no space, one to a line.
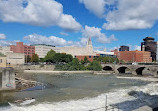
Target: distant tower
(89,46)
(89,42)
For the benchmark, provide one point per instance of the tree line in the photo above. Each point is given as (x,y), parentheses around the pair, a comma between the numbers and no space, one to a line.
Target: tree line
(66,62)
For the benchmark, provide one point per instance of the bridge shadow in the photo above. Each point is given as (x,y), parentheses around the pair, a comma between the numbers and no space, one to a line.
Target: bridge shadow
(139,71)
(124,70)
(142,99)
(108,68)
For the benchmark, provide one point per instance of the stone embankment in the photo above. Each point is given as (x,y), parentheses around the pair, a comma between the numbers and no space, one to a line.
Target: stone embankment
(68,72)
(34,67)
(58,72)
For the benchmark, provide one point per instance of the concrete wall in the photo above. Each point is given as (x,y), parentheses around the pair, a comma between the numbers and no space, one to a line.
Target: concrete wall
(7,79)
(35,67)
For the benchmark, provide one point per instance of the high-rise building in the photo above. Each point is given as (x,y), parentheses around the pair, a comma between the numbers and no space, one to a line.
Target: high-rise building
(149,45)
(124,48)
(21,48)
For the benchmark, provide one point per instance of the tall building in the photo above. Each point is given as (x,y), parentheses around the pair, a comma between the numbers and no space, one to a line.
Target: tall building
(134,56)
(149,45)
(21,48)
(42,49)
(124,48)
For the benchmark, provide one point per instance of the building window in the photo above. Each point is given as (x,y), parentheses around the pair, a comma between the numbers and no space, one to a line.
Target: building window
(0,60)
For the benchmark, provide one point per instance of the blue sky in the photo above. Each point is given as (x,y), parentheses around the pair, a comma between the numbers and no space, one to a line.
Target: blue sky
(71,22)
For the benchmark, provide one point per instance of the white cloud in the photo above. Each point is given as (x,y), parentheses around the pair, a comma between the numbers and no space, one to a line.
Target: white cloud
(95,32)
(38,13)
(124,14)
(63,33)
(132,14)
(2,36)
(7,43)
(136,47)
(96,7)
(68,23)
(52,40)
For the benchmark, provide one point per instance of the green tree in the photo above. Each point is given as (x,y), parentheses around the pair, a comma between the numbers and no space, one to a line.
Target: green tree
(71,66)
(35,58)
(95,66)
(49,56)
(61,57)
(41,59)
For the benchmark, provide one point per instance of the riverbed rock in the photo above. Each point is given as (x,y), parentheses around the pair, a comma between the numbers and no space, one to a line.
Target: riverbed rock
(144,108)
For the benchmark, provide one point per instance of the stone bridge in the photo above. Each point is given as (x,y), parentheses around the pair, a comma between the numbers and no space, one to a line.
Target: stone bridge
(133,69)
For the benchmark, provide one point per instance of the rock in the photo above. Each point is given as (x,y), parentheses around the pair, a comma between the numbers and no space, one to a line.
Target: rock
(144,108)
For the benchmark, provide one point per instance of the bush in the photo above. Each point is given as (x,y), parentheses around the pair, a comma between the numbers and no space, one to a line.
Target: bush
(95,66)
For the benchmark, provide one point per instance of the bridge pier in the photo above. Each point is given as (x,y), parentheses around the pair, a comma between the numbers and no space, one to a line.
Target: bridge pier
(7,79)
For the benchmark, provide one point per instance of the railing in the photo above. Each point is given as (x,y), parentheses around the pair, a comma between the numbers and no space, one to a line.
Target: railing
(106,107)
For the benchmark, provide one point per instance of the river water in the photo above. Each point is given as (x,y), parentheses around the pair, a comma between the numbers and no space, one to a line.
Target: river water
(82,92)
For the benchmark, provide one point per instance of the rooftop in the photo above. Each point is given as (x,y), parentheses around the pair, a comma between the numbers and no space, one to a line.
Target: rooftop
(43,45)
(150,39)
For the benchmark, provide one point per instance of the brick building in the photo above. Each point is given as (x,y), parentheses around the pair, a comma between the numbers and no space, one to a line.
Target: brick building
(21,48)
(89,57)
(134,56)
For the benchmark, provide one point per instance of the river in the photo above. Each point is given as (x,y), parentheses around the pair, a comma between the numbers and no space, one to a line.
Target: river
(82,92)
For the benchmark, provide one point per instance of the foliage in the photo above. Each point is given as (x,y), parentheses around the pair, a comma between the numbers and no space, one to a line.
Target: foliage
(71,66)
(35,58)
(95,66)
(61,57)
(41,60)
(107,59)
(77,65)
(49,56)
(85,61)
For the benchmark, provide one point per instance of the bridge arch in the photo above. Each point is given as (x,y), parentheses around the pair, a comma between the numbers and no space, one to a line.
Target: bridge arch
(107,68)
(139,71)
(122,69)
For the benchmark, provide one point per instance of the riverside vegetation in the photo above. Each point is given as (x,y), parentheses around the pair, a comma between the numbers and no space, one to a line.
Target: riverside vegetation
(66,62)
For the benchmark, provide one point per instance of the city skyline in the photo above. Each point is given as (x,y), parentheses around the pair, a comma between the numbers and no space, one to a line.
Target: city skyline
(64,23)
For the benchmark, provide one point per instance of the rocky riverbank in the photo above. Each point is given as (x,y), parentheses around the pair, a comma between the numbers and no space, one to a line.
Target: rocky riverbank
(23,84)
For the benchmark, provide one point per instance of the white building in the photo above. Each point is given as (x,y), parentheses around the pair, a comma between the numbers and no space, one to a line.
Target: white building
(105,53)
(15,58)
(5,49)
(42,49)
